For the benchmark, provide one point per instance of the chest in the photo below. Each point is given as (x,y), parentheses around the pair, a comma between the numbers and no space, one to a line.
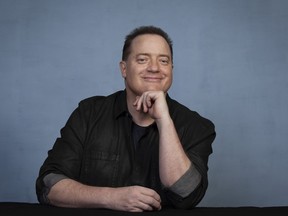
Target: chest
(116,155)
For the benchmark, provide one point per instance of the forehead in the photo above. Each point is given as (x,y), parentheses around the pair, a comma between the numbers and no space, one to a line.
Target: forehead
(150,43)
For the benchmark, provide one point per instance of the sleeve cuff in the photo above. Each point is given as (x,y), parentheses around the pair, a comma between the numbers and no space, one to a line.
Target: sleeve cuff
(50,180)
(186,184)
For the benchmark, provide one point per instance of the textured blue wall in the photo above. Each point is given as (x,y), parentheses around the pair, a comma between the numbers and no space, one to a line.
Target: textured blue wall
(231,65)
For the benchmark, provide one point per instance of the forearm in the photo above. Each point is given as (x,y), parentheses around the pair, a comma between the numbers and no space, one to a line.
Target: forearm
(69,193)
(173,161)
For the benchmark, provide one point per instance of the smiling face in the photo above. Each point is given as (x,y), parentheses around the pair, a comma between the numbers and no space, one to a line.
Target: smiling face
(148,66)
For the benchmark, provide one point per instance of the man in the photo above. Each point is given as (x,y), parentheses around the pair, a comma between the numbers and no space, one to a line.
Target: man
(134,150)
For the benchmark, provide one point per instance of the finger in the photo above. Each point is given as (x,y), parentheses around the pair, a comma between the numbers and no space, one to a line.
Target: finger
(151,193)
(149,100)
(136,101)
(149,203)
(143,103)
(145,207)
(135,209)
(153,200)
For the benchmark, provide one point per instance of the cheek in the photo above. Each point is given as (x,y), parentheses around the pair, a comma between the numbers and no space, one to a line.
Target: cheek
(131,78)
(169,75)
(169,79)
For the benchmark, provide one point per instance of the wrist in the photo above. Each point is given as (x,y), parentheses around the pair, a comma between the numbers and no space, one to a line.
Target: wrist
(164,122)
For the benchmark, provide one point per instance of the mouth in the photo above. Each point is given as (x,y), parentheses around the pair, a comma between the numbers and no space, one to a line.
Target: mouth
(152,79)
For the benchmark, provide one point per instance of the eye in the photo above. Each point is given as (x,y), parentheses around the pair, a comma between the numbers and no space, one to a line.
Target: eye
(164,61)
(142,59)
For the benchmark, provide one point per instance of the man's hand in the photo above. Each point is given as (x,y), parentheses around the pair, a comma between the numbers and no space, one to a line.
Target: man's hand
(72,194)
(153,103)
(134,199)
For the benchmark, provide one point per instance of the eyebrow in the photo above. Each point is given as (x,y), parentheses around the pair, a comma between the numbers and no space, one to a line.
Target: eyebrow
(148,54)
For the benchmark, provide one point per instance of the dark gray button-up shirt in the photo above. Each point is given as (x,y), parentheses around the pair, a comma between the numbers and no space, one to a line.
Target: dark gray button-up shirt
(96,148)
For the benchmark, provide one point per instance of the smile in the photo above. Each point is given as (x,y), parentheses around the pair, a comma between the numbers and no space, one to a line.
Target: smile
(153,79)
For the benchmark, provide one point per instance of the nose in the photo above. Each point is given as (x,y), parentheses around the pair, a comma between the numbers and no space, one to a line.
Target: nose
(153,66)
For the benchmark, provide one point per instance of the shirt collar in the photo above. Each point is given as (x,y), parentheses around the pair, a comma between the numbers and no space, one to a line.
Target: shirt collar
(121,104)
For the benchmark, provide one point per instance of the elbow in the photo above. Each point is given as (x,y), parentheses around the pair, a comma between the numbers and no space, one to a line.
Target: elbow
(189,202)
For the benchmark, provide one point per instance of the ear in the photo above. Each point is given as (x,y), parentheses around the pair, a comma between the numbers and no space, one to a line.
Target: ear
(122,65)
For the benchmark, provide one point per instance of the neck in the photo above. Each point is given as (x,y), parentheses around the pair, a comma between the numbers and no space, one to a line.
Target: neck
(142,119)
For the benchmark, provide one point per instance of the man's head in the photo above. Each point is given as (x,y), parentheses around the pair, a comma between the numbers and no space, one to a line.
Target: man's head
(147,61)
(141,31)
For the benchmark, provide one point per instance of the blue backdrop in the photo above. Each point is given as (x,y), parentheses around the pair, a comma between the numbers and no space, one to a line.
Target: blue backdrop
(231,61)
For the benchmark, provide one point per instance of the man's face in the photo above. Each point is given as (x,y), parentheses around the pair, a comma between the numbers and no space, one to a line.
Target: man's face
(149,65)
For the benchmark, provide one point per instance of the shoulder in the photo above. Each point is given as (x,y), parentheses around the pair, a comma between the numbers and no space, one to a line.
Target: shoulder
(98,105)
(182,115)
(99,99)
